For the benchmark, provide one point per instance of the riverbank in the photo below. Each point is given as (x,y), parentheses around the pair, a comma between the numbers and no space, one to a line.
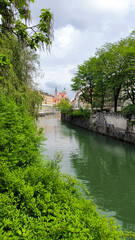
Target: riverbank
(109,124)
(47,111)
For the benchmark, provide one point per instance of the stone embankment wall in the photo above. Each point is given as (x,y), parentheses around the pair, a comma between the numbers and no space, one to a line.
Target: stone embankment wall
(109,124)
(45,112)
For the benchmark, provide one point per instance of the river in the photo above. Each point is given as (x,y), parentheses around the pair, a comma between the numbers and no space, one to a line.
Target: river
(106,166)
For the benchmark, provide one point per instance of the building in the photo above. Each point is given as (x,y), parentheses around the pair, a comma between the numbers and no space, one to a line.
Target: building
(58,97)
(47,99)
(78,102)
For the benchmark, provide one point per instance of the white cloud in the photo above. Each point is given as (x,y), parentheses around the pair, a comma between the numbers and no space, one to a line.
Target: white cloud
(69,46)
(64,38)
(81,27)
(120,6)
(60,77)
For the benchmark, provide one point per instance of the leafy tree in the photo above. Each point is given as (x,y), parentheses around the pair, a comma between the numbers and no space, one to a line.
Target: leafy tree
(119,69)
(64,106)
(84,80)
(109,75)
(99,71)
(15,12)
(23,61)
(128,111)
(113,71)
(129,68)
(17,68)
(17,60)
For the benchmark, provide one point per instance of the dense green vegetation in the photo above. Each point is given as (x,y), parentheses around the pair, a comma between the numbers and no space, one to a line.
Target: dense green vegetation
(17,68)
(36,200)
(109,75)
(128,111)
(15,18)
(82,112)
(65,108)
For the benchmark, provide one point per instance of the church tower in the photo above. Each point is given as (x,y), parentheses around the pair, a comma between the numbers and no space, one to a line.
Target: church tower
(56,92)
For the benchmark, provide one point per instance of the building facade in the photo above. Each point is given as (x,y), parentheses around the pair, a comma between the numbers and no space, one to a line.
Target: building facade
(47,99)
(78,102)
(58,97)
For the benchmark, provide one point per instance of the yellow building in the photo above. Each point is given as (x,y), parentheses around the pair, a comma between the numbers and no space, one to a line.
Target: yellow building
(47,99)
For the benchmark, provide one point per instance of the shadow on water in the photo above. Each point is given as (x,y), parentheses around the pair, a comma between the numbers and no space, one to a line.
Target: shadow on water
(106,167)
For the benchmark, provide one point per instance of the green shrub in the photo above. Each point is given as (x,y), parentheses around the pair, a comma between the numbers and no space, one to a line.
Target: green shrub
(128,111)
(84,113)
(19,139)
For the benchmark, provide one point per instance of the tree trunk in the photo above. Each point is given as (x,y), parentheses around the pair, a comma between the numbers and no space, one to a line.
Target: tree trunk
(115,104)
(133,100)
(102,104)
(91,100)
(116,95)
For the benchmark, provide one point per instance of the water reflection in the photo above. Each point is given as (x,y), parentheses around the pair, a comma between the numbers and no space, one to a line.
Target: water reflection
(106,166)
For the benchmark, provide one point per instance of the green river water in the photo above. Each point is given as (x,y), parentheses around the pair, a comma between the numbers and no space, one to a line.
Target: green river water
(106,166)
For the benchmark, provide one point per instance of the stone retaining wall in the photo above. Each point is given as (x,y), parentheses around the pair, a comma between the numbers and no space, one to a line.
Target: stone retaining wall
(48,112)
(109,124)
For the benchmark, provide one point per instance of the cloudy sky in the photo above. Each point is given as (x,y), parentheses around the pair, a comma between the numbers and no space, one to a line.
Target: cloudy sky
(80,26)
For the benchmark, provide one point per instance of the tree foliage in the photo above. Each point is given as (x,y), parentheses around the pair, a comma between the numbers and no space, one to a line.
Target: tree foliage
(84,80)
(109,74)
(18,67)
(81,112)
(64,106)
(18,61)
(15,18)
(128,111)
